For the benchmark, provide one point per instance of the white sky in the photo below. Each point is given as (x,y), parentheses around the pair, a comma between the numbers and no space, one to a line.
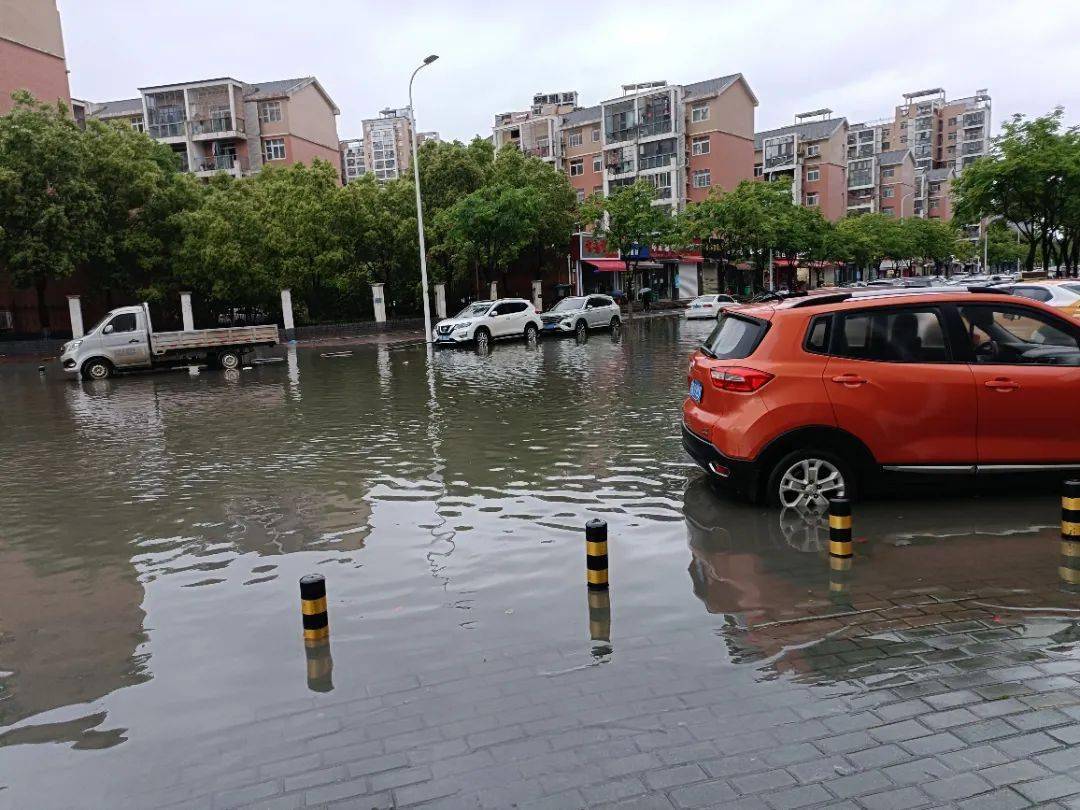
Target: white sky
(855,57)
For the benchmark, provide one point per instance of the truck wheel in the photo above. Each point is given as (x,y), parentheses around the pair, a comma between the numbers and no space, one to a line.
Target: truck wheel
(229,360)
(97,368)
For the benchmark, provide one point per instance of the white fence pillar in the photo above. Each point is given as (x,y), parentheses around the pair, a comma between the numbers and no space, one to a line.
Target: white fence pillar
(440,301)
(75,311)
(538,296)
(379,301)
(287,315)
(494,290)
(185,312)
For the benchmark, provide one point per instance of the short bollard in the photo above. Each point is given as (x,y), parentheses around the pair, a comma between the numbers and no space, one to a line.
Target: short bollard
(1069,569)
(840,551)
(596,562)
(600,615)
(320,664)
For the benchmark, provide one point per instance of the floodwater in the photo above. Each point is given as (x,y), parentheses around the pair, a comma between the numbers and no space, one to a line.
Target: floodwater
(153,529)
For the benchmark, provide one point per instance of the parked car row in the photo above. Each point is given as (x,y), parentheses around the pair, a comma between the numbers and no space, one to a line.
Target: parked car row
(484,321)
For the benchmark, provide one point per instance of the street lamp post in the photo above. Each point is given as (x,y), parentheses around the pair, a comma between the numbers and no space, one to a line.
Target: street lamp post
(902,200)
(419,205)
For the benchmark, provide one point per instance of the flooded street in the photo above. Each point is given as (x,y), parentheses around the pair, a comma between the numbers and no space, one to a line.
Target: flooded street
(153,530)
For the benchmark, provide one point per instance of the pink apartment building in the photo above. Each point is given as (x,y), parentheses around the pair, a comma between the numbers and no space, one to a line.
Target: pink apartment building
(32,52)
(225,125)
(809,154)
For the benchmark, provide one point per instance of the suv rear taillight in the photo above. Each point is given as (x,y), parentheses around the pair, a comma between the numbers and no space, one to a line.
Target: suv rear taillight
(739,379)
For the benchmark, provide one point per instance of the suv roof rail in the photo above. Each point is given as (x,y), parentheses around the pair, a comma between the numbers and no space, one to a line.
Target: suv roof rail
(828,298)
(986,289)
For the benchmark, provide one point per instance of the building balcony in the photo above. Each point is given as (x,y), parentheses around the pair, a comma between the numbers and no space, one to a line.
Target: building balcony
(537,151)
(173,129)
(655,161)
(212,164)
(616,167)
(216,128)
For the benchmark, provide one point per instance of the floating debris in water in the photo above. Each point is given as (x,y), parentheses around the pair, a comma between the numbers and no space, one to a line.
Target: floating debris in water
(336,354)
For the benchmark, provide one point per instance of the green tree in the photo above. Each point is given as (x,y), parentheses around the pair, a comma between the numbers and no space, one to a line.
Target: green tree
(869,239)
(929,242)
(1031,178)
(50,210)
(627,220)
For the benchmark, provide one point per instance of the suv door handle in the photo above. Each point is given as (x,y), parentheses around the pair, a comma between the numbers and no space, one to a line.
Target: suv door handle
(850,380)
(134,340)
(1002,384)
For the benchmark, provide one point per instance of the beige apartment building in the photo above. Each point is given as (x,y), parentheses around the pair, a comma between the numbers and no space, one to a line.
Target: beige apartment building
(353,163)
(32,52)
(810,154)
(536,131)
(226,125)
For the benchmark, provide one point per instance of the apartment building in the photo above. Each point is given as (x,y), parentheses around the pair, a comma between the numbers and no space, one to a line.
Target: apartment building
(388,144)
(32,52)
(353,165)
(226,125)
(811,154)
(685,140)
(942,137)
(536,131)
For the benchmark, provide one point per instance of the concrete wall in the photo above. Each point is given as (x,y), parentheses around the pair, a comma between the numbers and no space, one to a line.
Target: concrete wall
(33,23)
(311,117)
(24,68)
(730,161)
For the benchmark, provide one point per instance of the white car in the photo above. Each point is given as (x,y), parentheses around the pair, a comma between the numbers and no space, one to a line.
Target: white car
(484,321)
(1060,296)
(580,313)
(709,306)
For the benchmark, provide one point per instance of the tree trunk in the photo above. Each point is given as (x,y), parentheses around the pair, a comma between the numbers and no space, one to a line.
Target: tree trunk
(43,310)
(628,278)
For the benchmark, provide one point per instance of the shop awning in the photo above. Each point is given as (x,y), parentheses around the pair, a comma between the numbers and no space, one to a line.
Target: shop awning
(617,265)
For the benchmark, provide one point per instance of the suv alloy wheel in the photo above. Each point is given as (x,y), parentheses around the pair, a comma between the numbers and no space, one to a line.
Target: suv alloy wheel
(808,479)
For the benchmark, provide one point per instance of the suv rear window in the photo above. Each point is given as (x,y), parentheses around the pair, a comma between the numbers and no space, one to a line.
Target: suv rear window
(734,337)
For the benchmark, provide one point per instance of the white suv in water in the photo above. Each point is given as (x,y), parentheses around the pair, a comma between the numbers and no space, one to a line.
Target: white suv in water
(580,313)
(484,321)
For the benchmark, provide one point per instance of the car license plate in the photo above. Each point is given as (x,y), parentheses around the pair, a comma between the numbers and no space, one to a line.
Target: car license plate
(549,326)
(695,390)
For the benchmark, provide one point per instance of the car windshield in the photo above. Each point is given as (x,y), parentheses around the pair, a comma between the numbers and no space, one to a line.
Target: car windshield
(705,299)
(568,305)
(98,326)
(474,310)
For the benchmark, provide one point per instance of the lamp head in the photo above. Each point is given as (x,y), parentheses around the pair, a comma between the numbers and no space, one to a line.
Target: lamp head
(431,59)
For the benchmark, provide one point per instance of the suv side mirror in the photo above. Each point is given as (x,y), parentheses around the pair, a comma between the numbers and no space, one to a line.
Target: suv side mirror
(108,330)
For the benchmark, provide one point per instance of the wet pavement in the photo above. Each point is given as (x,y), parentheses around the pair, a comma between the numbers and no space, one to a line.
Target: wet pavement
(153,530)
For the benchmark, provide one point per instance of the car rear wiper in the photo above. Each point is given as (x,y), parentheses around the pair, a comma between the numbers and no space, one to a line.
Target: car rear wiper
(706,350)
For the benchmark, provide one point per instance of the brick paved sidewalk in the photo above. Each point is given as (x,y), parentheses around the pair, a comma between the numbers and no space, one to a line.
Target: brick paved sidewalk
(924,700)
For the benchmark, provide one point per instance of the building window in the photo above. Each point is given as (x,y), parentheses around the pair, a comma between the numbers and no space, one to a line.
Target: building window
(598,190)
(575,138)
(885,145)
(903,139)
(887,211)
(138,124)
(702,178)
(952,121)
(812,199)
(952,136)
(758,170)
(813,175)
(274,149)
(700,146)
(699,112)
(577,167)
(888,172)
(597,163)
(581,195)
(596,134)
(269,111)
(887,192)
(813,150)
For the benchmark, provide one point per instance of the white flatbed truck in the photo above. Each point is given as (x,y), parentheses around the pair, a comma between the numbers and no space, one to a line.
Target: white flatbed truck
(124,340)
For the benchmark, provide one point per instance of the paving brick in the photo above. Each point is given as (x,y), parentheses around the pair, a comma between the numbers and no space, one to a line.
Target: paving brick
(1066,760)
(954,788)
(389,762)
(613,790)
(819,770)
(567,800)
(695,752)
(339,790)
(399,778)
(903,710)
(761,782)
(735,766)
(1040,719)
(1070,735)
(1044,790)
(895,799)
(948,719)
(655,802)
(934,744)
(845,743)
(949,700)
(247,795)
(984,730)
(998,708)
(1011,772)
(704,794)
(858,784)
(324,776)
(803,796)
(675,777)
(973,758)
(917,772)
(1003,799)
(791,754)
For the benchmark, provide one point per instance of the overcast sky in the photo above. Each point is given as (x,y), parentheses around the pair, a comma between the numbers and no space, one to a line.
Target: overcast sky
(854,57)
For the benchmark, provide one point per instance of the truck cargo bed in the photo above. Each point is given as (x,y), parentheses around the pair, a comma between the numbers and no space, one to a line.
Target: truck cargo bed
(163,342)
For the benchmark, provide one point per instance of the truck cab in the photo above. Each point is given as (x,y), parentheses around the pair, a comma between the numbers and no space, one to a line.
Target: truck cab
(120,341)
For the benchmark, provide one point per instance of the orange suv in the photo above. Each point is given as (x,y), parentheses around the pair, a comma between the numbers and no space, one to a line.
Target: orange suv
(810,398)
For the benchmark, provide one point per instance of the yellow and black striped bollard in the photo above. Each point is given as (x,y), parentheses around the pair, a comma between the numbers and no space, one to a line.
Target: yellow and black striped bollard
(320,665)
(596,562)
(1069,569)
(840,550)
